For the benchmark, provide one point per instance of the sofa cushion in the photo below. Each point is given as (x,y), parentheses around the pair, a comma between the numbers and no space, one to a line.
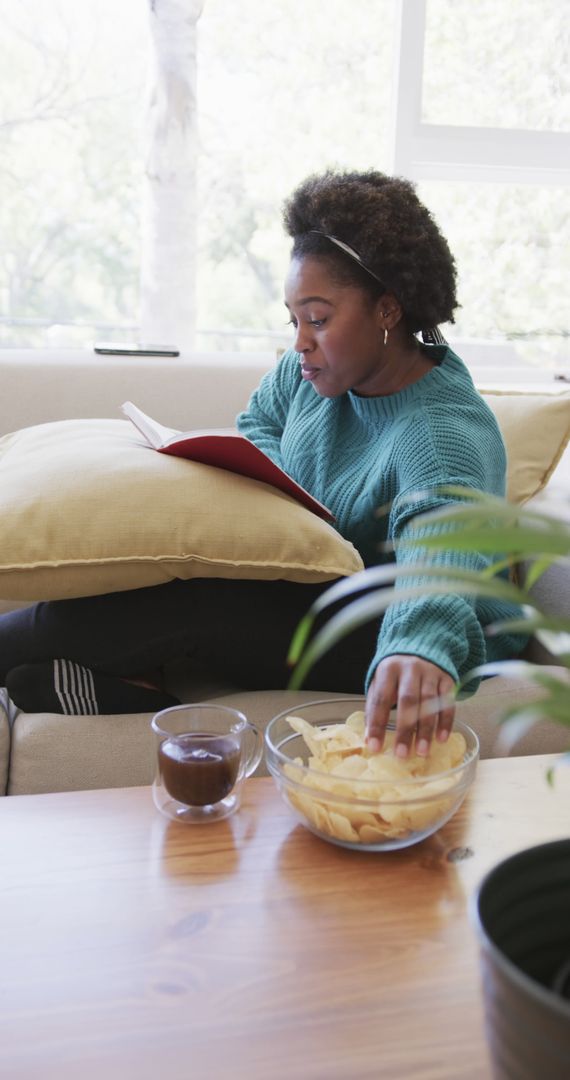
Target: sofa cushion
(86,507)
(67,753)
(536,430)
(4,742)
(71,490)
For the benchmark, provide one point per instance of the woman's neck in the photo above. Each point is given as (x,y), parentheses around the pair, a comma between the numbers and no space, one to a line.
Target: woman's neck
(403,363)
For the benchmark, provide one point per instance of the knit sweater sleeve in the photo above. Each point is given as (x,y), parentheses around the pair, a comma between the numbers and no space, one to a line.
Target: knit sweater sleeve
(264,419)
(446,629)
(442,629)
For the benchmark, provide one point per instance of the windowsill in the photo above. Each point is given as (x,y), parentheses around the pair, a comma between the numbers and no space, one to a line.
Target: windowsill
(493,365)
(502,365)
(86,357)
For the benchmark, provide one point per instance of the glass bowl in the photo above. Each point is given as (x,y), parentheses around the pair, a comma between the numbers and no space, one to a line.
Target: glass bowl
(370,813)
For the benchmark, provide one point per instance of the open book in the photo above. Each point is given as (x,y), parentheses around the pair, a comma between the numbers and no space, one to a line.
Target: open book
(226,450)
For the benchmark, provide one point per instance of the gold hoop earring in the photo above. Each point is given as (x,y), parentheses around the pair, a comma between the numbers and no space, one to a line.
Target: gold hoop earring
(385,336)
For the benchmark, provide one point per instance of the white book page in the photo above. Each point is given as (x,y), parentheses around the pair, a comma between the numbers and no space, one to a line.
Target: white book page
(158,435)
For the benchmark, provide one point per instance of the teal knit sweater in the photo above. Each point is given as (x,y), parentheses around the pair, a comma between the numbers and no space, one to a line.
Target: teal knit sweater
(357,454)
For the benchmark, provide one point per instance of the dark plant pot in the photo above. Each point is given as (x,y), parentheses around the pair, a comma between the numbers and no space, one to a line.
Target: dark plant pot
(522,915)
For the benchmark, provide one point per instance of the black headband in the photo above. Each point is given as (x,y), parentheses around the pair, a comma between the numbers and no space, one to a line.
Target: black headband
(350,252)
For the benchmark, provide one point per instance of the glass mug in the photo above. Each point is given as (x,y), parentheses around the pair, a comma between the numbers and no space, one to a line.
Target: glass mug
(203,755)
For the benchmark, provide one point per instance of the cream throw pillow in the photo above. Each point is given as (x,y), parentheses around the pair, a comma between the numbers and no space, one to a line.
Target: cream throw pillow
(536,430)
(86,508)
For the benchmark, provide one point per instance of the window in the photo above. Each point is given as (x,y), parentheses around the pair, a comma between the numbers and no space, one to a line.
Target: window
(483,125)
(477,70)
(479,118)
(70,138)
(284,89)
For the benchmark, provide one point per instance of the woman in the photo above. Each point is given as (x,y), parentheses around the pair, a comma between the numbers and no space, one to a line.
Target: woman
(362,414)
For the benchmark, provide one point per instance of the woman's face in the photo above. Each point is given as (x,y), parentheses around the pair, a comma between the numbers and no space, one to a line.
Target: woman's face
(338,328)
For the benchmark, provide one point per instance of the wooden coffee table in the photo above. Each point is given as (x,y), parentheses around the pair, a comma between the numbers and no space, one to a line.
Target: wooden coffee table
(133,947)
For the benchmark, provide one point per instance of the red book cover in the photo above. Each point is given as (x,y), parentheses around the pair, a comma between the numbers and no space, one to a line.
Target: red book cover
(225,450)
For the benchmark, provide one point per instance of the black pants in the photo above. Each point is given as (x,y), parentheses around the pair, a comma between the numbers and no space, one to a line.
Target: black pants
(240,629)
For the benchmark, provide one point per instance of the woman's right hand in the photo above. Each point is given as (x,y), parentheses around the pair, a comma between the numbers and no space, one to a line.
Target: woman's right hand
(412,685)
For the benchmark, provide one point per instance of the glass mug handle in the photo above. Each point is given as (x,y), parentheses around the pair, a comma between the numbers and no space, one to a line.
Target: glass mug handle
(251,761)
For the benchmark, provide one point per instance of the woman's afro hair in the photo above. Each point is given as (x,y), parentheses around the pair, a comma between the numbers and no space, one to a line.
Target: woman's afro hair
(382,218)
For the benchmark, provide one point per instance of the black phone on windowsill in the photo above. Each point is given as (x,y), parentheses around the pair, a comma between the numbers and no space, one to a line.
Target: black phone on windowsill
(122,348)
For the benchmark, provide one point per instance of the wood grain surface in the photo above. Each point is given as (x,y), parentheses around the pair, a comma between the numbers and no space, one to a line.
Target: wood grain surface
(134,947)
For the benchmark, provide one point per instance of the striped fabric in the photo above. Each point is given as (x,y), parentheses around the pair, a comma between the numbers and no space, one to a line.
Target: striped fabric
(433,337)
(75,688)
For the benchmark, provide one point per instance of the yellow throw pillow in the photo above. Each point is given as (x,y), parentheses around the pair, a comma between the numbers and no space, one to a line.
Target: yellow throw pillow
(86,507)
(536,430)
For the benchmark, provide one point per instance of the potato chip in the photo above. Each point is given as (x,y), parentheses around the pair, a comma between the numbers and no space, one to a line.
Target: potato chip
(425,814)
(294,771)
(360,818)
(343,768)
(341,827)
(387,767)
(371,834)
(307,731)
(357,722)
(391,811)
(337,732)
(312,810)
(351,767)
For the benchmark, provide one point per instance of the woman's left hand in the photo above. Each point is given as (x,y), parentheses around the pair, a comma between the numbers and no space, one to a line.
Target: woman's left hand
(412,685)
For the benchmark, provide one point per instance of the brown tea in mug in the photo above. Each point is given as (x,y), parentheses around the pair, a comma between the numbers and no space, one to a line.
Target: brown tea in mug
(199,769)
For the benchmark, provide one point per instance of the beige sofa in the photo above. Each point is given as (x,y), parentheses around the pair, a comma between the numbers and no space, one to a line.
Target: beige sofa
(48,752)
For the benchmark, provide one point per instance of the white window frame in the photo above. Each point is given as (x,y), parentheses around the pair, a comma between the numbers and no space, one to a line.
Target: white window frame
(422,151)
(440,151)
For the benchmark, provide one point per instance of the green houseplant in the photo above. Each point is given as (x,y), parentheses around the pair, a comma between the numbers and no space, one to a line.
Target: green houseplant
(477,522)
(521,908)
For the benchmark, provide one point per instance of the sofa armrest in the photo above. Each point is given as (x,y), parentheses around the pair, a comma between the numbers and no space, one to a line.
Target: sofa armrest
(191,391)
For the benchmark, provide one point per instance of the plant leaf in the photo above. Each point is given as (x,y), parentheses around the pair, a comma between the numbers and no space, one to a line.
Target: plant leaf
(379,576)
(515,723)
(491,523)
(529,623)
(564,759)
(489,537)
(466,520)
(536,570)
(557,641)
(511,669)
(376,603)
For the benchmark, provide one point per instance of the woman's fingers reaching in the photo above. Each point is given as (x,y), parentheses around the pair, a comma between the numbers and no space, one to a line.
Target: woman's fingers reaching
(419,690)
(382,696)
